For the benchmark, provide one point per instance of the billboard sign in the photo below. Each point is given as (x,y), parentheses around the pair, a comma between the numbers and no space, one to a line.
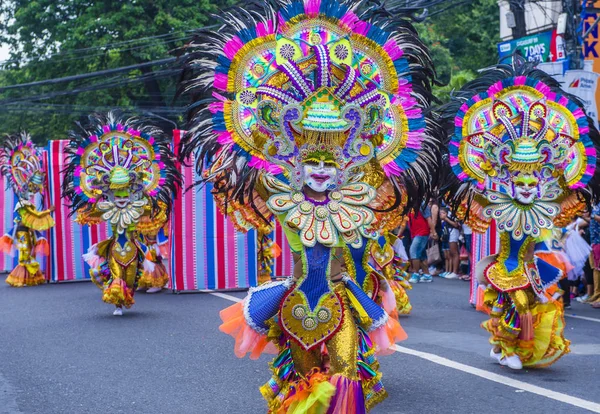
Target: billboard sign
(541,47)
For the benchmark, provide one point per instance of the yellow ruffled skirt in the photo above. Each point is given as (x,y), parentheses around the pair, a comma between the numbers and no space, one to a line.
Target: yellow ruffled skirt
(548,344)
(155,279)
(26,275)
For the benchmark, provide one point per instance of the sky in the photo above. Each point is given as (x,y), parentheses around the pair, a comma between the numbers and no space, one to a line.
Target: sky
(4,55)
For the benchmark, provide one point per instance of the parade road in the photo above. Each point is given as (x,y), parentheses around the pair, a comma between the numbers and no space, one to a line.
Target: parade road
(62,351)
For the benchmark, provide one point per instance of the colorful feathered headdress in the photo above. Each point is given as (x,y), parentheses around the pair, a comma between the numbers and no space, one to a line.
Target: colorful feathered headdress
(21,164)
(112,155)
(309,81)
(515,124)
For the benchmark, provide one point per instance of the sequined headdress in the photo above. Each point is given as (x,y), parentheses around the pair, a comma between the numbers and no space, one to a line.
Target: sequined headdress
(114,154)
(21,164)
(310,80)
(515,122)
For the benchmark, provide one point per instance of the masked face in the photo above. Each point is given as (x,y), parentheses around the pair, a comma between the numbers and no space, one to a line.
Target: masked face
(526,188)
(320,176)
(122,198)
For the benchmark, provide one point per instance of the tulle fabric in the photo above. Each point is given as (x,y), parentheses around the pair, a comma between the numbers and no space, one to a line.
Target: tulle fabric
(386,336)
(42,247)
(92,258)
(21,276)
(348,398)
(578,251)
(6,245)
(247,340)
(388,299)
(157,278)
(310,396)
(118,294)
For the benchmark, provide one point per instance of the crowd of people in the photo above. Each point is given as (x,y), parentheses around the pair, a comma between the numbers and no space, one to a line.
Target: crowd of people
(437,244)
(580,241)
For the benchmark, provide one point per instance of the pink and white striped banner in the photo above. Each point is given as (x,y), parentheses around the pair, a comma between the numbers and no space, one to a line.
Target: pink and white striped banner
(7,204)
(207,251)
(284,263)
(482,245)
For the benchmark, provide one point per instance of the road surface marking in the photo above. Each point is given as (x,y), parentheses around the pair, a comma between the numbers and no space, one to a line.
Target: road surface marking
(585,318)
(501,379)
(491,376)
(226,296)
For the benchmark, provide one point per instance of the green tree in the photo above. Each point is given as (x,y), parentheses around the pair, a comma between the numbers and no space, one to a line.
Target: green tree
(461,40)
(51,39)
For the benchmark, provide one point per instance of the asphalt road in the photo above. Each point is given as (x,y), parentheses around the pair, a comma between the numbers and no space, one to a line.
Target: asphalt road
(62,351)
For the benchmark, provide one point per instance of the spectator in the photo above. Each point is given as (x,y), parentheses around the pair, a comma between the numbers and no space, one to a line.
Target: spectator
(422,227)
(468,239)
(451,254)
(594,298)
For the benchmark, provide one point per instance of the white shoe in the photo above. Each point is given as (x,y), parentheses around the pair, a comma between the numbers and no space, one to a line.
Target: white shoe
(513,362)
(450,275)
(496,356)
(582,299)
(154,290)
(118,312)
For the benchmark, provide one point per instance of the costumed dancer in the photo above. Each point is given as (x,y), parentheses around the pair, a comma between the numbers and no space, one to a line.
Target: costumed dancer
(153,233)
(118,172)
(314,118)
(21,164)
(524,153)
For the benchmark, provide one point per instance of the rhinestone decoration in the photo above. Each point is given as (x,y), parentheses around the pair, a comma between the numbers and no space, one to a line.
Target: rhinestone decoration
(366,69)
(309,323)
(321,213)
(287,51)
(335,196)
(324,315)
(333,206)
(306,207)
(298,312)
(341,52)
(297,197)
(315,38)
(258,69)
(247,97)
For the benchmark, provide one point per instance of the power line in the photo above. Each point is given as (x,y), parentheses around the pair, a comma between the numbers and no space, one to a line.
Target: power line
(99,86)
(94,55)
(105,47)
(89,75)
(67,109)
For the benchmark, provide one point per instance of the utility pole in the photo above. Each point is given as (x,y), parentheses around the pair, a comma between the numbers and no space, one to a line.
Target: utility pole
(517,8)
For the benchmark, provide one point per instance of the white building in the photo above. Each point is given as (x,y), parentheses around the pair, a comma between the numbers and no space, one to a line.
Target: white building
(539,16)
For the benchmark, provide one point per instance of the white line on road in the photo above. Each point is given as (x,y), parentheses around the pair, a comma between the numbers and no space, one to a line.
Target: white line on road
(226,296)
(585,318)
(501,379)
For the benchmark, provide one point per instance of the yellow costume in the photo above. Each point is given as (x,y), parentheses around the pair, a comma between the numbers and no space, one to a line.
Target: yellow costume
(121,172)
(524,152)
(20,163)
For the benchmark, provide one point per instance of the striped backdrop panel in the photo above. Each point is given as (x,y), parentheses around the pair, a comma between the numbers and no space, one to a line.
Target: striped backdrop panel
(207,251)
(483,245)
(284,263)
(7,205)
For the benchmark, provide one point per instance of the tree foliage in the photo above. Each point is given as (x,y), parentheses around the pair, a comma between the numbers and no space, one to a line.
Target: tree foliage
(52,39)
(462,39)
